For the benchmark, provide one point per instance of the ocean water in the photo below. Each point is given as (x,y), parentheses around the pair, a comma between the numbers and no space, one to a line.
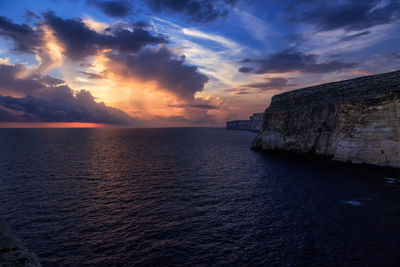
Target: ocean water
(190,196)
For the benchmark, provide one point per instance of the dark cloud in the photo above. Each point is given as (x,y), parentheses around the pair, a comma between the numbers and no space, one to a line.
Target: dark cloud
(51,81)
(278,83)
(25,38)
(44,87)
(91,75)
(82,109)
(199,119)
(160,65)
(290,60)
(245,69)
(346,14)
(200,106)
(242,92)
(270,84)
(355,36)
(80,41)
(31,16)
(196,10)
(179,119)
(48,99)
(238,91)
(116,9)
(197,111)
(200,103)
(388,57)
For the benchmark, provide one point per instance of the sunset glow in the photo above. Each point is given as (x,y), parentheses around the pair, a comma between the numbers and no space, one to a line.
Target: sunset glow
(52,125)
(154,63)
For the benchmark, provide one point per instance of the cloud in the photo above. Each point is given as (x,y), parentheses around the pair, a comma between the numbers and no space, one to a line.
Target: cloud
(346,14)
(160,65)
(213,102)
(277,83)
(238,91)
(43,87)
(217,56)
(290,60)
(245,69)
(82,109)
(116,9)
(201,11)
(354,36)
(201,110)
(178,119)
(271,84)
(48,99)
(91,75)
(80,42)
(25,38)
(212,37)
(200,106)
(259,28)
(202,119)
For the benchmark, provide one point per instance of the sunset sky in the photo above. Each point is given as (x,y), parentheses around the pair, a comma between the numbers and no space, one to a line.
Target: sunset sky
(160,63)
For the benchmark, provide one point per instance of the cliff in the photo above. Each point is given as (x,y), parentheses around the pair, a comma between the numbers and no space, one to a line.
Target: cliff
(13,252)
(356,121)
(255,122)
(238,125)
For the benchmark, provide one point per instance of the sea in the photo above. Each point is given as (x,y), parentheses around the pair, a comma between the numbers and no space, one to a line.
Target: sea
(191,196)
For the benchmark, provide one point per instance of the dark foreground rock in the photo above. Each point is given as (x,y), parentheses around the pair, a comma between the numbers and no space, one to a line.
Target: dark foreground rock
(13,251)
(354,121)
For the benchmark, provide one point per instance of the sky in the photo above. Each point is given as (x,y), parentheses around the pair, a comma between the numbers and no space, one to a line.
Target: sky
(175,63)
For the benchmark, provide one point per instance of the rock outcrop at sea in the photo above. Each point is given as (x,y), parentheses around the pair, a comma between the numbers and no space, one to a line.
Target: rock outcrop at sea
(355,121)
(13,251)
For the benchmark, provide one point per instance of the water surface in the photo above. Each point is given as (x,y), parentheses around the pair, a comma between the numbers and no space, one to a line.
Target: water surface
(190,196)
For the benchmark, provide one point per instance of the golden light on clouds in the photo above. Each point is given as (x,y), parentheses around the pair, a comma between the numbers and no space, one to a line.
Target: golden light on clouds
(95,25)
(139,93)
(50,55)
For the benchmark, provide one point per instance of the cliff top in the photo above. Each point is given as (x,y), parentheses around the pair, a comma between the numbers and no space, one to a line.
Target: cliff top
(357,88)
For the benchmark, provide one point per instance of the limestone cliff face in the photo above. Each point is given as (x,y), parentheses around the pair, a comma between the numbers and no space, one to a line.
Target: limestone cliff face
(255,122)
(13,251)
(354,121)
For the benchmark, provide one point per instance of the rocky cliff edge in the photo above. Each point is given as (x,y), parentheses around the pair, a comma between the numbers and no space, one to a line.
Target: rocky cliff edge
(356,121)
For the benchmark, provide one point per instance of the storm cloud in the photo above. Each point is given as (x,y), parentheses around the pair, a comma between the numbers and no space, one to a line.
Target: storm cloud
(290,60)
(270,84)
(80,41)
(162,66)
(116,9)
(40,86)
(48,99)
(196,10)
(200,106)
(25,38)
(346,14)
(355,36)
(82,109)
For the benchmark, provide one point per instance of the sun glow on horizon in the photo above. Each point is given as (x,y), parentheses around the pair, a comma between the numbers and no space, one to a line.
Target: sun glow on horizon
(53,125)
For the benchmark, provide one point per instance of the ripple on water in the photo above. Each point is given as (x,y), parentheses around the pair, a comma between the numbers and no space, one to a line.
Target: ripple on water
(352,202)
(189,197)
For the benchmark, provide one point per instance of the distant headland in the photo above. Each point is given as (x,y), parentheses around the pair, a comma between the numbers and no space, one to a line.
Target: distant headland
(253,124)
(355,121)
